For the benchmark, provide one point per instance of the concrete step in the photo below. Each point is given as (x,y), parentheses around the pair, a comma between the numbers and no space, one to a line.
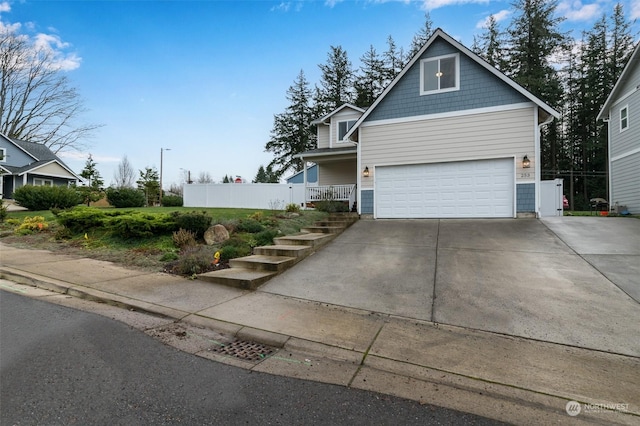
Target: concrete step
(296,251)
(334,222)
(260,262)
(314,240)
(245,279)
(323,229)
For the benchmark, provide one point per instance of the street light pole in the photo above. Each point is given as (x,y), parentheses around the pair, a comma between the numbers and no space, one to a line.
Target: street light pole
(161,155)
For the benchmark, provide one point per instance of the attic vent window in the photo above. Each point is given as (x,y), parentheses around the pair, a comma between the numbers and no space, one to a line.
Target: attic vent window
(440,74)
(344,127)
(624,118)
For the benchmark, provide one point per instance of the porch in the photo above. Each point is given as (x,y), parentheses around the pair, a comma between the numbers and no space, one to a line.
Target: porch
(346,193)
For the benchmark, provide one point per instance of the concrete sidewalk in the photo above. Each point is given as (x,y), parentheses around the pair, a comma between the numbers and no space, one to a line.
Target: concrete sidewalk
(507,378)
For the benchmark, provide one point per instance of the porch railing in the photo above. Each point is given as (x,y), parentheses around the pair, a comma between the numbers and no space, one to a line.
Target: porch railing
(331,192)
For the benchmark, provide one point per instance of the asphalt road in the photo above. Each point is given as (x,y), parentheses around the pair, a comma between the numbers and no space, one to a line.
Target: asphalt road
(61,366)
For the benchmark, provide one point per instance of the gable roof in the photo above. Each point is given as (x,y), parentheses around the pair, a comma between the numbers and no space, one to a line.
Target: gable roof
(40,153)
(624,77)
(438,33)
(326,118)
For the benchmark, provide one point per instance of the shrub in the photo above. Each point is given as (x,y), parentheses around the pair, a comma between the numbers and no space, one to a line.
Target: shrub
(196,222)
(194,260)
(293,208)
(81,219)
(46,197)
(249,225)
(331,206)
(136,225)
(234,247)
(172,201)
(3,211)
(32,224)
(183,238)
(265,238)
(125,197)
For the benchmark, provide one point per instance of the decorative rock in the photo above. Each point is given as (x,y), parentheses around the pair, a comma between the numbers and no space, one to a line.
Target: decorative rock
(216,234)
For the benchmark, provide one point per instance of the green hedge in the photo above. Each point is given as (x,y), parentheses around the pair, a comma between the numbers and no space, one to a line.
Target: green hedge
(46,197)
(125,197)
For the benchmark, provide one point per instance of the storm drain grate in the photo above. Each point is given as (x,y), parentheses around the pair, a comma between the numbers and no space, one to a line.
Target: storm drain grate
(250,351)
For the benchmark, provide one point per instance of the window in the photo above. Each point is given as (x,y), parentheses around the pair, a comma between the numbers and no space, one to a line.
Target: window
(42,182)
(344,127)
(440,74)
(3,155)
(624,118)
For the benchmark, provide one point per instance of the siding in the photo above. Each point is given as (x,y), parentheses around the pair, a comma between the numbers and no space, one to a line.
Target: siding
(476,136)
(622,142)
(53,169)
(323,136)
(526,197)
(366,199)
(337,173)
(15,156)
(479,88)
(625,182)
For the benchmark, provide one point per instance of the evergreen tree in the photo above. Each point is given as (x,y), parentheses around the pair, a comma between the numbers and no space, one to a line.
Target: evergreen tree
(370,81)
(422,36)
(93,190)
(149,183)
(534,39)
(393,61)
(490,44)
(336,84)
(292,133)
(261,176)
(226,179)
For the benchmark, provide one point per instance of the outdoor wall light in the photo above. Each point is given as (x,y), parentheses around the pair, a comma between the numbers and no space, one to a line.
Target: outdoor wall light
(365,172)
(526,163)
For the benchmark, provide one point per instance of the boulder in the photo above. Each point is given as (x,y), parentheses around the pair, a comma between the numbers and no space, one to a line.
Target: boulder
(216,234)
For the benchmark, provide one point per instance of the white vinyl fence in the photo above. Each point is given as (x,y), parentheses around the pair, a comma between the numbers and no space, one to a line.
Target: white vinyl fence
(243,195)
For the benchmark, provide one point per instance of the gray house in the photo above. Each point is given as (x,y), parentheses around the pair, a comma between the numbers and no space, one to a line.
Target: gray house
(450,137)
(621,111)
(28,163)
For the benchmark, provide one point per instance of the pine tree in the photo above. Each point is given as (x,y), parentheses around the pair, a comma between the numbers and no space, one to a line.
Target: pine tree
(490,44)
(534,39)
(149,183)
(393,60)
(422,36)
(261,176)
(292,133)
(93,191)
(336,84)
(370,81)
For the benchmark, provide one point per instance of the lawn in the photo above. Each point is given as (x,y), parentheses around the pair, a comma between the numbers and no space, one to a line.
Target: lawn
(158,252)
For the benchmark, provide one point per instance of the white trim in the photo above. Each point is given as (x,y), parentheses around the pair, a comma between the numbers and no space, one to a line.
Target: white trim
(626,154)
(624,108)
(613,95)
(456,86)
(623,97)
(460,113)
(343,141)
(50,181)
(3,159)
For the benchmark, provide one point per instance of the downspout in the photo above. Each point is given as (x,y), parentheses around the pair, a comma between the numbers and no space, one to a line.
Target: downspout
(304,181)
(538,162)
(609,177)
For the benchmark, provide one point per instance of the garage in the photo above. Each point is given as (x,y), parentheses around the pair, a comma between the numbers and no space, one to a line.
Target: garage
(463,189)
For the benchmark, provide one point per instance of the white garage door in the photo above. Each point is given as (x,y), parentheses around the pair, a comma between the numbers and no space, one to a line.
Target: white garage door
(463,189)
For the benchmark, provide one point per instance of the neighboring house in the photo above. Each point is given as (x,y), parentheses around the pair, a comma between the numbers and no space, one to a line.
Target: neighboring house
(312,175)
(28,163)
(450,137)
(621,111)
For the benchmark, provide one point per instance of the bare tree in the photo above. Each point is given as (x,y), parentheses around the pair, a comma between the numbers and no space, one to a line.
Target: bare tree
(37,103)
(125,175)
(204,177)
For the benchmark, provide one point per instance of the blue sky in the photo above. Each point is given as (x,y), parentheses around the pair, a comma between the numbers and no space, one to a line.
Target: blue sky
(205,78)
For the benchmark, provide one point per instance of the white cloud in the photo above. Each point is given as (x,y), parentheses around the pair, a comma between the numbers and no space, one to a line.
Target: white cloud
(635,9)
(5,7)
(53,45)
(332,3)
(282,7)
(436,4)
(499,17)
(575,10)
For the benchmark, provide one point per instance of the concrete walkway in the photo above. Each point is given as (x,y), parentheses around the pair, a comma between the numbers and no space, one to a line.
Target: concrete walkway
(504,319)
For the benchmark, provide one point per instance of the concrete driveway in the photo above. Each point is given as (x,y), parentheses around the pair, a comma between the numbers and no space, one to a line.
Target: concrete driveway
(566,280)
